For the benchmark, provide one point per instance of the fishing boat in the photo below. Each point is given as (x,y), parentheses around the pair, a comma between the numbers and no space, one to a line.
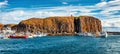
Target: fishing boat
(80,34)
(101,34)
(17,37)
(85,34)
(1,37)
(104,35)
(39,34)
(97,34)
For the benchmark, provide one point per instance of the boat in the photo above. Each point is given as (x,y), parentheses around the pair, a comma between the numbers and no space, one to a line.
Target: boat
(97,34)
(80,34)
(85,34)
(101,34)
(1,37)
(39,34)
(104,35)
(17,37)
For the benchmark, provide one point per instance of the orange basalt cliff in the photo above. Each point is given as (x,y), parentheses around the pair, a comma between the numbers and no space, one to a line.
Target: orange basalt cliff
(12,26)
(1,26)
(58,24)
(87,24)
(47,25)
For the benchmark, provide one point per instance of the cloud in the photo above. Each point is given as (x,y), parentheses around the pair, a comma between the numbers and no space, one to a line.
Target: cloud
(101,4)
(107,7)
(64,3)
(68,0)
(105,11)
(113,22)
(4,3)
(110,11)
(18,14)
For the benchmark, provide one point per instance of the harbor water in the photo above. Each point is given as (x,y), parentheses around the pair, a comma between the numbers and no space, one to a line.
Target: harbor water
(61,45)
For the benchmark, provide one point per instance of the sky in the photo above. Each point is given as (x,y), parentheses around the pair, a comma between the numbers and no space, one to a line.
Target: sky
(108,11)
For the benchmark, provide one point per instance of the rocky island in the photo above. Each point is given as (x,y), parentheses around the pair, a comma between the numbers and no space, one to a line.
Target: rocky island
(58,25)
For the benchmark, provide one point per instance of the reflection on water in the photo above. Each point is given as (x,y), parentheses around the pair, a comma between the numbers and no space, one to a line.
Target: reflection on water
(61,45)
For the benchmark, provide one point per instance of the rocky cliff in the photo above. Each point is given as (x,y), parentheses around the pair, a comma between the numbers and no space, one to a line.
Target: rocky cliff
(56,25)
(47,25)
(12,26)
(87,24)
(1,26)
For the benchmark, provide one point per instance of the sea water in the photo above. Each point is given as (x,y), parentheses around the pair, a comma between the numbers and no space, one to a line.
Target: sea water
(61,45)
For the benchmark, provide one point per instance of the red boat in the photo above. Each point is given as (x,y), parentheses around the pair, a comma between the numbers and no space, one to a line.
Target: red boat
(18,37)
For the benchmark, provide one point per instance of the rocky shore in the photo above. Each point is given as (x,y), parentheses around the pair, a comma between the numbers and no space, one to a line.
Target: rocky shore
(58,25)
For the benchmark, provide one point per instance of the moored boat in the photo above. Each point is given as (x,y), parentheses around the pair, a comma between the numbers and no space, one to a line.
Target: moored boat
(39,34)
(1,37)
(97,34)
(24,37)
(104,35)
(85,34)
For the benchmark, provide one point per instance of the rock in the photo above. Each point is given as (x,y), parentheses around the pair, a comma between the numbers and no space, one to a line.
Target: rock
(47,25)
(1,26)
(31,25)
(12,26)
(60,25)
(87,24)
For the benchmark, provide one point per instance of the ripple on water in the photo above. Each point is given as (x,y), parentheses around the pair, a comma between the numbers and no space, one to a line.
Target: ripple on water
(61,45)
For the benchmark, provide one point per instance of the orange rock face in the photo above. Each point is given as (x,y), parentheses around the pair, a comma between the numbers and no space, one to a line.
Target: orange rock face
(12,26)
(31,25)
(87,24)
(48,25)
(58,24)
(1,25)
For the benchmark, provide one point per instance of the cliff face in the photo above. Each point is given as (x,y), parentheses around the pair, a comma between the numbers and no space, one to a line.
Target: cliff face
(1,26)
(87,24)
(12,26)
(31,25)
(48,25)
(60,25)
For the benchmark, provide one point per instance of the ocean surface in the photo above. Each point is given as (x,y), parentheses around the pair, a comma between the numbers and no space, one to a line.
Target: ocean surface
(61,45)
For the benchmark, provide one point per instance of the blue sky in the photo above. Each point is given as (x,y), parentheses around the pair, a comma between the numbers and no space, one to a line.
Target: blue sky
(13,11)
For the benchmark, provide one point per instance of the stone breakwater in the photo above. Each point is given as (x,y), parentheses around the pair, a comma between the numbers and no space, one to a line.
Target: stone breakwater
(59,25)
